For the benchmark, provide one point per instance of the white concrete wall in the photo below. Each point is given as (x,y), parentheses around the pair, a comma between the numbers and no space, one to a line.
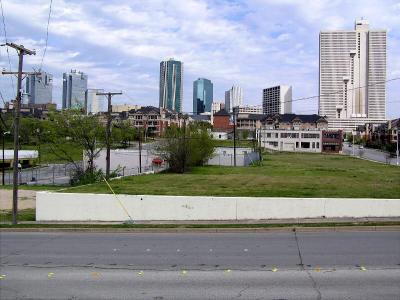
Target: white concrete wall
(100,207)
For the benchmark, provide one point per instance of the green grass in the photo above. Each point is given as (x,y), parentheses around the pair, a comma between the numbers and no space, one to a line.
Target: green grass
(281,175)
(201,226)
(34,187)
(229,143)
(23,215)
(47,156)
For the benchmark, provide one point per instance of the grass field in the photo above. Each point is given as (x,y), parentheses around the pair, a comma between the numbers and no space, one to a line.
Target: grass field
(281,175)
(47,156)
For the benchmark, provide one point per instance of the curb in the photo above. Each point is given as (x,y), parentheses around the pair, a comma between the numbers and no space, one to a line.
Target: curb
(209,230)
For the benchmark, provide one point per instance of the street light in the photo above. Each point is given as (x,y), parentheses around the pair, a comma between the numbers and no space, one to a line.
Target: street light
(3,133)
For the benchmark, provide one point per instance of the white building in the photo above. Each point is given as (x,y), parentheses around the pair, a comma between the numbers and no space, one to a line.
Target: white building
(95,103)
(277,100)
(217,106)
(233,98)
(124,107)
(250,109)
(39,88)
(292,140)
(352,76)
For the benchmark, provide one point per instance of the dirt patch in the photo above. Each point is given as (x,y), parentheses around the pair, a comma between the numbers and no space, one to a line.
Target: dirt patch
(26,199)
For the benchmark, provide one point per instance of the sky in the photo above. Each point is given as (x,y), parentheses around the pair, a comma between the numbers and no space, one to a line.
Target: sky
(251,43)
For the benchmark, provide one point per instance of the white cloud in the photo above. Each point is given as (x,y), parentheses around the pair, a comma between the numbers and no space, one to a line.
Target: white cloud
(254,43)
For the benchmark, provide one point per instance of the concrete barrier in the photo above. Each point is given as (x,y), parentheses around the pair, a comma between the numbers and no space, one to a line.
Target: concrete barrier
(52,206)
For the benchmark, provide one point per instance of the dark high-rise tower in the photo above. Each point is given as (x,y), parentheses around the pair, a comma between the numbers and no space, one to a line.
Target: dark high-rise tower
(202,95)
(171,88)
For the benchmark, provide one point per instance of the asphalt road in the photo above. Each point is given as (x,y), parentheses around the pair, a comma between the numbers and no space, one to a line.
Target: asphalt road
(270,265)
(368,153)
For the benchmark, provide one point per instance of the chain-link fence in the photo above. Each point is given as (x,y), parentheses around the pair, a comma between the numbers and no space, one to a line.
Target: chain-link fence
(59,174)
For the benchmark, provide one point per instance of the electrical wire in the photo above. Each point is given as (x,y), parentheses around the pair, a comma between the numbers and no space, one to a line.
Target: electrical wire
(47,36)
(6,41)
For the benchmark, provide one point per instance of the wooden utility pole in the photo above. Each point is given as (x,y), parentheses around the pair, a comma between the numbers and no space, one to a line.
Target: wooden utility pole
(140,151)
(17,108)
(108,129)
(234,136)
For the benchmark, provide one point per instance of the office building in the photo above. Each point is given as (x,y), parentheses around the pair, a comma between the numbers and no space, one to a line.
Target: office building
(277,100)
(124,107)
(202,96)
(233,98)
(171,87)
(39,88)
(217,106)
(74,89)
(95,103)
(250,109)
(352,76)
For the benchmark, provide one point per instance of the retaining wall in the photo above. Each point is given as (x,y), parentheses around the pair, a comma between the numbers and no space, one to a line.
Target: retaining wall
(52,206)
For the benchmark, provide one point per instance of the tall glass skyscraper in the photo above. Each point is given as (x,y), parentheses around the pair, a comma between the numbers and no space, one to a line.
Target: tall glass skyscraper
(171,88)
(39,88)
(202,95)
(74,89)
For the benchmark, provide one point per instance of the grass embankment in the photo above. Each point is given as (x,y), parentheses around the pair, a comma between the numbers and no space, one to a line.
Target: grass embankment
(281,175)
(229,143)
(23,215)
(34,187)
(48,156)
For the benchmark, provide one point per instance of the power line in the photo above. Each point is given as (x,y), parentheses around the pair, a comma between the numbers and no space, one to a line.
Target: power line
(6,41)
(47,36)
(340,91)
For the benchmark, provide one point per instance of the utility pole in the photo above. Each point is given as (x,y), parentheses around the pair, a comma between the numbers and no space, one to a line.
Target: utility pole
(108,129)
(397,151)
(184,144)
(140,151)
(21,50)
(234,136)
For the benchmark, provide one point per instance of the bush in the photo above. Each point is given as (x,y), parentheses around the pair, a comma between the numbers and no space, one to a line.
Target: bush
(82,177)
(184,148)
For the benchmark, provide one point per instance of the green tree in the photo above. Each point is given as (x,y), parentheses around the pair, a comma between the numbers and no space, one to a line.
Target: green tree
(78,129)
(184,148)
(123,133)
(245,134)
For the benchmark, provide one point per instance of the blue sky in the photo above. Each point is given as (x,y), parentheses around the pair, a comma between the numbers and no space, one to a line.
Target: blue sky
(251,43)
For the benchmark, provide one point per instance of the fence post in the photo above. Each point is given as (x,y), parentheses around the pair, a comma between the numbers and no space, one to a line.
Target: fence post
(53,174)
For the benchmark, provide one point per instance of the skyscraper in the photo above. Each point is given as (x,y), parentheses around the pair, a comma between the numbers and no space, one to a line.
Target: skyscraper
(352,76)
(74,88)
(39,88)
(277,100)
(93,102)
(202,95)
(171,88)
(233,98)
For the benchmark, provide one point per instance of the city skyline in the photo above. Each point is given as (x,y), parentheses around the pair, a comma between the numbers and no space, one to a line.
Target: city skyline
(261,54)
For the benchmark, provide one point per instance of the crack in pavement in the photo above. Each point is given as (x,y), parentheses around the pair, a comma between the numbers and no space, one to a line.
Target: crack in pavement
(243,290)
(314,283)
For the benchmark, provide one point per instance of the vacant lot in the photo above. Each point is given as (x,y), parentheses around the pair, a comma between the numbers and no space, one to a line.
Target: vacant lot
(281,175)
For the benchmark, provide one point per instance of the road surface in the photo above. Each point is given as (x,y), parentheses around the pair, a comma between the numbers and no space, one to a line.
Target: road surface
(368,153)
(270,265)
